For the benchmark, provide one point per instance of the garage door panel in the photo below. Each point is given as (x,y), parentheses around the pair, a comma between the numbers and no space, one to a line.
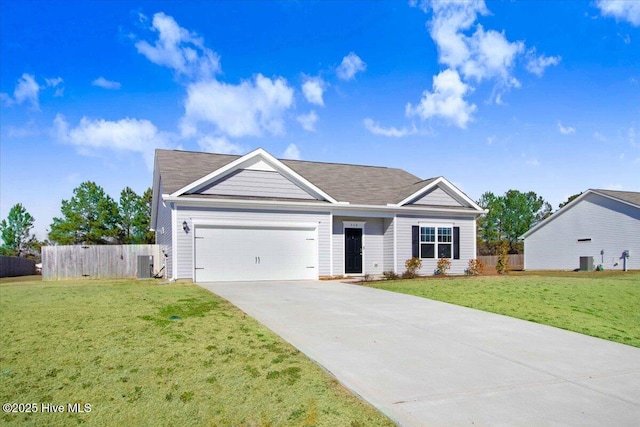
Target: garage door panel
(254,253)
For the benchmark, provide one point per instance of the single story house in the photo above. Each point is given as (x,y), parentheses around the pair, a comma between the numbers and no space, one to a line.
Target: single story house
(225,217)
(602,224)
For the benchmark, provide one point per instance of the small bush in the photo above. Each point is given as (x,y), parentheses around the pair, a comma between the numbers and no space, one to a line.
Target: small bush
(443,265)
(503,258)
(390,275)
(367,278)
(412,265)
(475,268)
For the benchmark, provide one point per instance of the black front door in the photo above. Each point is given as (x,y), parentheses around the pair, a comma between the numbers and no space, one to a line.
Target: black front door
(353,250)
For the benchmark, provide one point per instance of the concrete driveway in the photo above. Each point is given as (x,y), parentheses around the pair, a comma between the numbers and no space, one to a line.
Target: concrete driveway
(427,363)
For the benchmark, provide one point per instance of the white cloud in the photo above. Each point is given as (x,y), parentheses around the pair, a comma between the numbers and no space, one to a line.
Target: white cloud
(491,56)
(632,137)
(292,152)
(350,66)
(179,49)
(127,135)
(613,186)
(26,90)
(599,137)
(308,121)
(313,89)
(537,64)
(476,53)
(220,145)
(533,162)
(626,10)
(30,129)
(248,109)
(446,101)
(106,84)
(55,83)
(376,129)
(568,130)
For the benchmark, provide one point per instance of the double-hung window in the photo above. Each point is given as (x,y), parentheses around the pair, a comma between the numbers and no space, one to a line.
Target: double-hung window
(436,242)
(444,242)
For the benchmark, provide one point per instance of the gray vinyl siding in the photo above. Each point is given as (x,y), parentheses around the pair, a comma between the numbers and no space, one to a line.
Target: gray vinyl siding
(388,229)
(185,240)
(437,197)
(372,242)
(256,183)
(338,245)
(467,246)
(163,234)
(612,227)
(374,246)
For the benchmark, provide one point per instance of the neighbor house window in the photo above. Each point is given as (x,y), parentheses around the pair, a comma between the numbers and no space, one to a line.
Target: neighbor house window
(436,241)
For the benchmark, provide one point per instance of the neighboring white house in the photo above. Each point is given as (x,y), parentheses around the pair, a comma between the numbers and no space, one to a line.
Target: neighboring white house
(602,224)
(254,217)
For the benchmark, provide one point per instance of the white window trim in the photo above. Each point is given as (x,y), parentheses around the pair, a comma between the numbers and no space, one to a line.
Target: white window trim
(436,243)
(353,224)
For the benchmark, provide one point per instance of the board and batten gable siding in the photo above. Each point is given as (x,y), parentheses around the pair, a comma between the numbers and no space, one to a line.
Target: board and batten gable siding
(612,227)
(437,197)
(189,214)
(256,183)
(164,231)
(388,239)
(372,242)
(467,241)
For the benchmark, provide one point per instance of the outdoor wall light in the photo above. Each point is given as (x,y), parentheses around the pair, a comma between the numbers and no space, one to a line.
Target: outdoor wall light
(185,226)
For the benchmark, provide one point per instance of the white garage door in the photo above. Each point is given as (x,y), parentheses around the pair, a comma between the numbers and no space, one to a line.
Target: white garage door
(255,253)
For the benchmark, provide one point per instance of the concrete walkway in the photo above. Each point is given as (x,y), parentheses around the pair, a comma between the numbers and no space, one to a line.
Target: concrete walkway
(426,363)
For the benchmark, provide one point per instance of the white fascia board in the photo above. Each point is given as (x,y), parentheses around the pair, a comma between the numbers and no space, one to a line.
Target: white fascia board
(267,158)
(193,201)
(559,212)
(343,209)
(569,206)
(450,186)
(202,221)
(608,196)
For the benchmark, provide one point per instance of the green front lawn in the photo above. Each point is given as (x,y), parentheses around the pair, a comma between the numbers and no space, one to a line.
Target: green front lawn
(159,355)
(601,304)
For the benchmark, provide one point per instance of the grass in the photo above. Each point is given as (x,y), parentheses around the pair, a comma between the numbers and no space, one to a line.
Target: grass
(601,304)
(144,354)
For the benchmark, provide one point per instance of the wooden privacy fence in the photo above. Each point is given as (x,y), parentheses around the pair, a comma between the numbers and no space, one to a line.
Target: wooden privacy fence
(516,261)
(96,261)
(11,266)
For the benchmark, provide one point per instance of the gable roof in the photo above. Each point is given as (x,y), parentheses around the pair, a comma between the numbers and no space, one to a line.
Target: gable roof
(627,197)
(631,197)
(355,184)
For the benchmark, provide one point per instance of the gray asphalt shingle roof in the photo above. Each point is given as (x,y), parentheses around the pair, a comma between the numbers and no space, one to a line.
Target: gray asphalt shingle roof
(627,196)
(356,184)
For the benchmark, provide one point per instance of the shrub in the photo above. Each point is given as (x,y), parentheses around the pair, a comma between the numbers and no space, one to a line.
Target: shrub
(503,259)
(475,268)
(412,265)
(443,265)
(390,275)
(367,278)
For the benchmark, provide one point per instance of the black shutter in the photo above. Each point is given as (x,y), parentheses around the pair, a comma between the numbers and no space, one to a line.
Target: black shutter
(415,241)
(456,242)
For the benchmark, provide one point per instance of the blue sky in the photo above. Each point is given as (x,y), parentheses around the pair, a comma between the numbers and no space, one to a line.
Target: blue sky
(531,95)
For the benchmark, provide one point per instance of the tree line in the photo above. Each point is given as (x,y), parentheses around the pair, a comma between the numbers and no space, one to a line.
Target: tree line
(89,217)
